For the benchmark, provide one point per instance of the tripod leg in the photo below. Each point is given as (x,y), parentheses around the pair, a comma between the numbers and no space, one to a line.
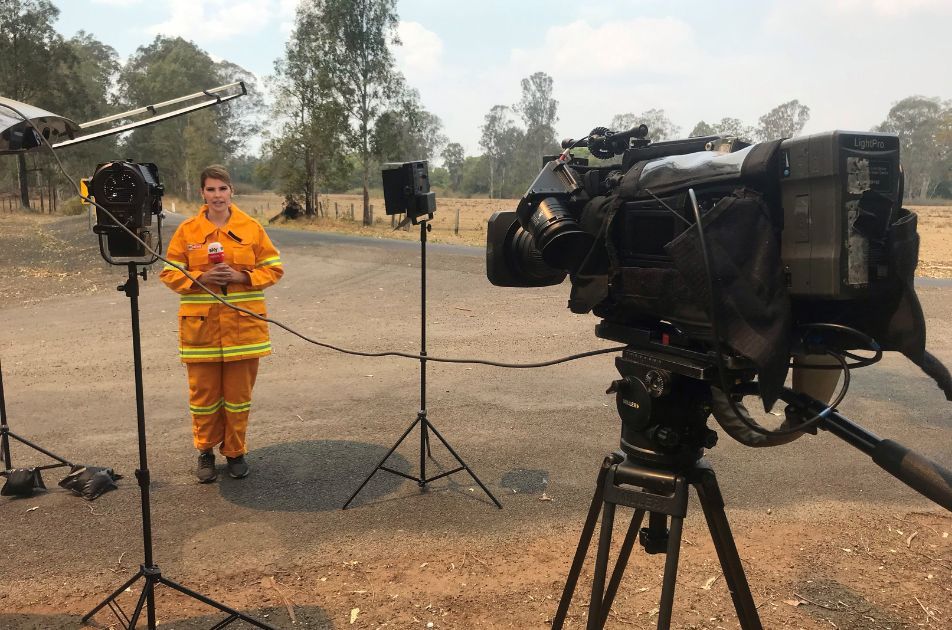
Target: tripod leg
(113,596)
(585,539)
(601,568)
(384,459)
(463,464)
(670,573)
(623,555)
(424,449)
(233,614)
(712,503)
(145,595)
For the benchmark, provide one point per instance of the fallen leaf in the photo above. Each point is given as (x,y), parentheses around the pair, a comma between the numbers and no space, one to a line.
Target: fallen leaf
(793,602)
(545,497)
(35,507)
(353,615)
(911,536)
(709,583)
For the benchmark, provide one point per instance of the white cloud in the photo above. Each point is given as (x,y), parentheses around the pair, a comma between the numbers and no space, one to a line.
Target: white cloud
(612,50)
(117,3)
(210,20)
(807,16)
(420,56)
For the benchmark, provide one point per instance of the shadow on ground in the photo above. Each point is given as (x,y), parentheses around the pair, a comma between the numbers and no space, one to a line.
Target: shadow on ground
(312,476)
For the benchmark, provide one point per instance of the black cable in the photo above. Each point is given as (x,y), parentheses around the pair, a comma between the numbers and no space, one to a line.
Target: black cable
(417,357)
(722,370)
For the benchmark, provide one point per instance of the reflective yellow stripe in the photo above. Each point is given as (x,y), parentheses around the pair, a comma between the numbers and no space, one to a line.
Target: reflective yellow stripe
(227,351)
(173,267)
(237,407)
(210,409)
(231,298)
(270,262)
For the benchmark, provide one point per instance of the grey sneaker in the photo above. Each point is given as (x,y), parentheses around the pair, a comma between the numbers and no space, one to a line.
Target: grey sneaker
(206,471)
(237,467)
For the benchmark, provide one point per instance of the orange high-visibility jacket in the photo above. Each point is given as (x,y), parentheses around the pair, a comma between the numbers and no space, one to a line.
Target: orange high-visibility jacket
(209,330)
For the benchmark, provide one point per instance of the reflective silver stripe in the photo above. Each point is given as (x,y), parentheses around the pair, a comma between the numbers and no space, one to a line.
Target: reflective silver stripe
(227,351)
(231,298)
(237,407)
(270,262)
(205,411)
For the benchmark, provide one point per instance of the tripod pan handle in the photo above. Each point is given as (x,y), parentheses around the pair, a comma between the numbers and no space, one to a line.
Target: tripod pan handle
(919,473)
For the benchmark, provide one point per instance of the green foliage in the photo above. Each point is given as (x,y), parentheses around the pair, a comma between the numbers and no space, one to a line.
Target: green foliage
(406,131)
(164,69)
(924,127)
(353,38)
(783,121)
(702,129)
(474,179)
(659,126)
(453,158)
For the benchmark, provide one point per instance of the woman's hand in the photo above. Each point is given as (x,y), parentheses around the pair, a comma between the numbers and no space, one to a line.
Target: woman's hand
(221,275)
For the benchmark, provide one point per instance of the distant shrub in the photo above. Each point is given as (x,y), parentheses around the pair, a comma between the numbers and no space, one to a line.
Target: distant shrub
(72,207)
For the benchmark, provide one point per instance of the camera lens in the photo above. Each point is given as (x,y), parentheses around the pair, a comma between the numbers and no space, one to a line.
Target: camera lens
(561,241)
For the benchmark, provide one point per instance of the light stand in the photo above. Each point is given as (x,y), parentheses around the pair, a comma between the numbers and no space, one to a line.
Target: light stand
(148,570)
(6,434)
(425,424)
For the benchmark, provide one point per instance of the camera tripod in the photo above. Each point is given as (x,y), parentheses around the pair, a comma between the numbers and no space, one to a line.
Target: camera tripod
(660,494)
(148,570)
(663,436)
(426,426)
(664,402)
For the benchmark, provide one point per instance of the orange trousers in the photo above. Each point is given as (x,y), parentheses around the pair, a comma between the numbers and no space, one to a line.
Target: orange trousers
(219,399)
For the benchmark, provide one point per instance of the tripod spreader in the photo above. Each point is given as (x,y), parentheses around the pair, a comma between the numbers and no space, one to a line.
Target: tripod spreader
(916,471)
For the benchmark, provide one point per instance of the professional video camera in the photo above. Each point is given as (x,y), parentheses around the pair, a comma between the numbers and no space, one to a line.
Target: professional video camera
(800,231)
(717,262)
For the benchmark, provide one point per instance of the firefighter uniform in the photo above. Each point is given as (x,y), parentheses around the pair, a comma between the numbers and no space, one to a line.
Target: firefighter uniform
(221,346)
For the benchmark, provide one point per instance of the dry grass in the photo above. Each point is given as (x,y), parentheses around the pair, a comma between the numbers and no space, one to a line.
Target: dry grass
(338,209)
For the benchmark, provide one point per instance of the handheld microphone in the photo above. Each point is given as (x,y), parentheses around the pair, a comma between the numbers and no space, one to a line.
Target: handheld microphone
(216,254)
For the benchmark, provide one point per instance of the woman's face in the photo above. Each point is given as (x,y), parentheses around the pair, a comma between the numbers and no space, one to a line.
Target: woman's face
(217,195)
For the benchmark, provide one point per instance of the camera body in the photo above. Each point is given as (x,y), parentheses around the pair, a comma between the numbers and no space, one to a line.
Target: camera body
(800,231)
(838,193)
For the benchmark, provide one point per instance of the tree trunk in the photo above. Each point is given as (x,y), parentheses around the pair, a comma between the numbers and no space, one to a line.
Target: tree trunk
(24,183)
(368,218)
(308,183)
(491,173)
(924,190)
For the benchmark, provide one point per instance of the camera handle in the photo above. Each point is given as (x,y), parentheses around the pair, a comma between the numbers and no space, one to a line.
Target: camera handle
(916,471)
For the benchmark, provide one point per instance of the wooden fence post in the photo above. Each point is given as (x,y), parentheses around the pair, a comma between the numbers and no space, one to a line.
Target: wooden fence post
(336,216)
(351,212)
(456,227)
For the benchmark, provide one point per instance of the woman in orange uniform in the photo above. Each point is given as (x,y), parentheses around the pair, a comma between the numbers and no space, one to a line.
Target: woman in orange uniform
(219,345)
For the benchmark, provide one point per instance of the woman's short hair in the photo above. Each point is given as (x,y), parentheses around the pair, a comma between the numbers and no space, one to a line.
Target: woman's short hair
(216,171)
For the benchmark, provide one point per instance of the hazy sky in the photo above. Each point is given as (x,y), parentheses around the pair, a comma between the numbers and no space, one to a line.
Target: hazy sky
(848,60)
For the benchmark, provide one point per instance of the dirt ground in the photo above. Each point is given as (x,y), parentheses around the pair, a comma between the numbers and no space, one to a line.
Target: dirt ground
(827,539)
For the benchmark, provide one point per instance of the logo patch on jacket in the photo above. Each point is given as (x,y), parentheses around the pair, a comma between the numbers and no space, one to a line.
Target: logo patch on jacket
(192,246)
